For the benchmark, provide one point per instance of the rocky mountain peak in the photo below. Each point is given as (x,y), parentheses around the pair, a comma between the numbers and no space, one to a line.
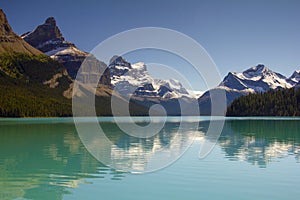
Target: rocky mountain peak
(295,76)
(260,67)
(50,21)
(256,79)
(119,61)
(5,28)
(256,71)
(46,37)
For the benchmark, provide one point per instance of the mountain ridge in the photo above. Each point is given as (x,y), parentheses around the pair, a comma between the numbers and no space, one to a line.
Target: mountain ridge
(256,79)
(23,59)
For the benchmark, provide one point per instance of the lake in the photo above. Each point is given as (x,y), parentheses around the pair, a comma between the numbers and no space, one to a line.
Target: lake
(254,158)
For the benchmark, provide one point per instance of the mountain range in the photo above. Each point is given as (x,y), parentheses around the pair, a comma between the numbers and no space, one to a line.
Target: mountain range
(43,58)
(34,84)
(257,79)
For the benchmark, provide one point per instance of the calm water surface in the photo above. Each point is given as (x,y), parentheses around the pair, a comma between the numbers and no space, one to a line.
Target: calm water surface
(255,158)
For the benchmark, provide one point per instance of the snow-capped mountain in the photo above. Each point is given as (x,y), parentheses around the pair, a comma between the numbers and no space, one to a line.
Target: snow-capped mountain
(134,82)
(49,39)
(254,80)
(134,79)
(196,93)
(295,78)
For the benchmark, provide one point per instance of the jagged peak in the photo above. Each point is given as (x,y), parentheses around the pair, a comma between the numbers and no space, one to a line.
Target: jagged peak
(259,67)
(2,16)
(5,28)
(119,61)
(139,65)
(50,21)
(257,70)
(231,75)
(47,37)
(295,76)
(296,72)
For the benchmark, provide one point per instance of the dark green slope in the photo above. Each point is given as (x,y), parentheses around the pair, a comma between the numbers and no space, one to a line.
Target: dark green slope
(22,92)
(284,102)
(24,72)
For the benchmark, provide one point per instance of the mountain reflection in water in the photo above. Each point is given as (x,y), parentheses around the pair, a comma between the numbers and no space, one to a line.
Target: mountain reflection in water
(44,160)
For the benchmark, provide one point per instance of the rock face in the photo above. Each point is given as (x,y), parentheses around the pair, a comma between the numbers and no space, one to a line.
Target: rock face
(11,42)
(253,80)
(49,39)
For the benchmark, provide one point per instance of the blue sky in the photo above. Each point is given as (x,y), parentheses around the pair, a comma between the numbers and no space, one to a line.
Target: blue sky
(236,34)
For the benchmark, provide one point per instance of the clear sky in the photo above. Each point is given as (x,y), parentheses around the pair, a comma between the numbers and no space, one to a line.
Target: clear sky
(237,34)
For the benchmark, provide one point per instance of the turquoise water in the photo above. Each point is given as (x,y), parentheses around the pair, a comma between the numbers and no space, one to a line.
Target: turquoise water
(255,158)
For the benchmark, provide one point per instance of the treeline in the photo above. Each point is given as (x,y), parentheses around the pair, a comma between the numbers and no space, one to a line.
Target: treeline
(23,99)
(22,92)
(283,102)
(31,67)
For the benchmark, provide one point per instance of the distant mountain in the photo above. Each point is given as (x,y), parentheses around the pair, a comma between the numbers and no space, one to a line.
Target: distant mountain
(11,42)
(133,81)
(257,79)
(49,39)
(295,78)
(37,72)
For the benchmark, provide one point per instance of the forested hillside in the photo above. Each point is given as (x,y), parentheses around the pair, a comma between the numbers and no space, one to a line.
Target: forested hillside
(283,102)
(22,89)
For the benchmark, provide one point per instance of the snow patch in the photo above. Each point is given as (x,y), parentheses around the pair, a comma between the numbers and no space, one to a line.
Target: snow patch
(136,77)
(195,93)
(65,51)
